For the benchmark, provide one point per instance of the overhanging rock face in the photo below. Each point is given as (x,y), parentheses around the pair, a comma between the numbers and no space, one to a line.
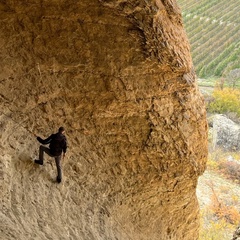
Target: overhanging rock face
(119,77)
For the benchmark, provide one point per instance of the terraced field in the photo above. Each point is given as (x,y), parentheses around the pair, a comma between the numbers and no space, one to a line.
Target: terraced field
(213,28)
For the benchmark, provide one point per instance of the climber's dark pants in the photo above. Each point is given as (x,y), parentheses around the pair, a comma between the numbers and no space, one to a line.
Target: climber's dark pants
(43,149)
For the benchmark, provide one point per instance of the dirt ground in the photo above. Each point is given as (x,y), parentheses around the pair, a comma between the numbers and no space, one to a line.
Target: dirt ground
(227,192)
(226,189)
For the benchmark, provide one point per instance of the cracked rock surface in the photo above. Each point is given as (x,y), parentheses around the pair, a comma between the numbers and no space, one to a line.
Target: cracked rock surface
(119,77)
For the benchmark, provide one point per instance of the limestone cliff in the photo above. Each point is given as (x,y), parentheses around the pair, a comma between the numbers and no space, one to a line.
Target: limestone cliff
(118,76)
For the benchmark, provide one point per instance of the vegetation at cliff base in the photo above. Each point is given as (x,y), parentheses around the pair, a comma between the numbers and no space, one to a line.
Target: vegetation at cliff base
(225,101)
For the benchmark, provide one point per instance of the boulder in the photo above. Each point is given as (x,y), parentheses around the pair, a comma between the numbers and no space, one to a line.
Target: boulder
(226,133)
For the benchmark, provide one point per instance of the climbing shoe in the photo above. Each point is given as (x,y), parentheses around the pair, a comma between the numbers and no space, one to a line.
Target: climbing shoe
(39,162)
(59,179)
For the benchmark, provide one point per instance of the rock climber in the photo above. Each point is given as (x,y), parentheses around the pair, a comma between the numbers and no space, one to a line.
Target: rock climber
(57,148)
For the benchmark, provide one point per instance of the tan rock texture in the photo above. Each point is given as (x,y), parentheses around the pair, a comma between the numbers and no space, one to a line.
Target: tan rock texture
(118,76)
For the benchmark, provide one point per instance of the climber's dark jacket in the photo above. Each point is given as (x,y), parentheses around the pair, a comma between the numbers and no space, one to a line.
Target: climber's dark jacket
(58,143)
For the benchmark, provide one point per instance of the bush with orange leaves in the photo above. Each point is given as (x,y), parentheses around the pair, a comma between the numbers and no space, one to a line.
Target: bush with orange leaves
(223,211)
(231,169)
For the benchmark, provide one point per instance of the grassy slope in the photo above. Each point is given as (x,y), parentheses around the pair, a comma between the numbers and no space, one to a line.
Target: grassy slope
(213,28)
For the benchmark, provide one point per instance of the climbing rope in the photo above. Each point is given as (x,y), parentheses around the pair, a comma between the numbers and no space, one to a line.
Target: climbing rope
(17,123)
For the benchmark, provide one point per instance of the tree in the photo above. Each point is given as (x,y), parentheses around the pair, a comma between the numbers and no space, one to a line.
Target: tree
(233,77)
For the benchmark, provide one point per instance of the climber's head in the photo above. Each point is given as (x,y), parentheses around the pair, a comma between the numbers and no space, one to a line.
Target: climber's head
(61,130)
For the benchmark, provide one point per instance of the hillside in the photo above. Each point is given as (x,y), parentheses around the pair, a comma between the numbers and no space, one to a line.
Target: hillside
(213,29)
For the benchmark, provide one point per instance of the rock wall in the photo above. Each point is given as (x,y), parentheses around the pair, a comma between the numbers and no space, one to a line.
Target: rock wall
(119,77)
